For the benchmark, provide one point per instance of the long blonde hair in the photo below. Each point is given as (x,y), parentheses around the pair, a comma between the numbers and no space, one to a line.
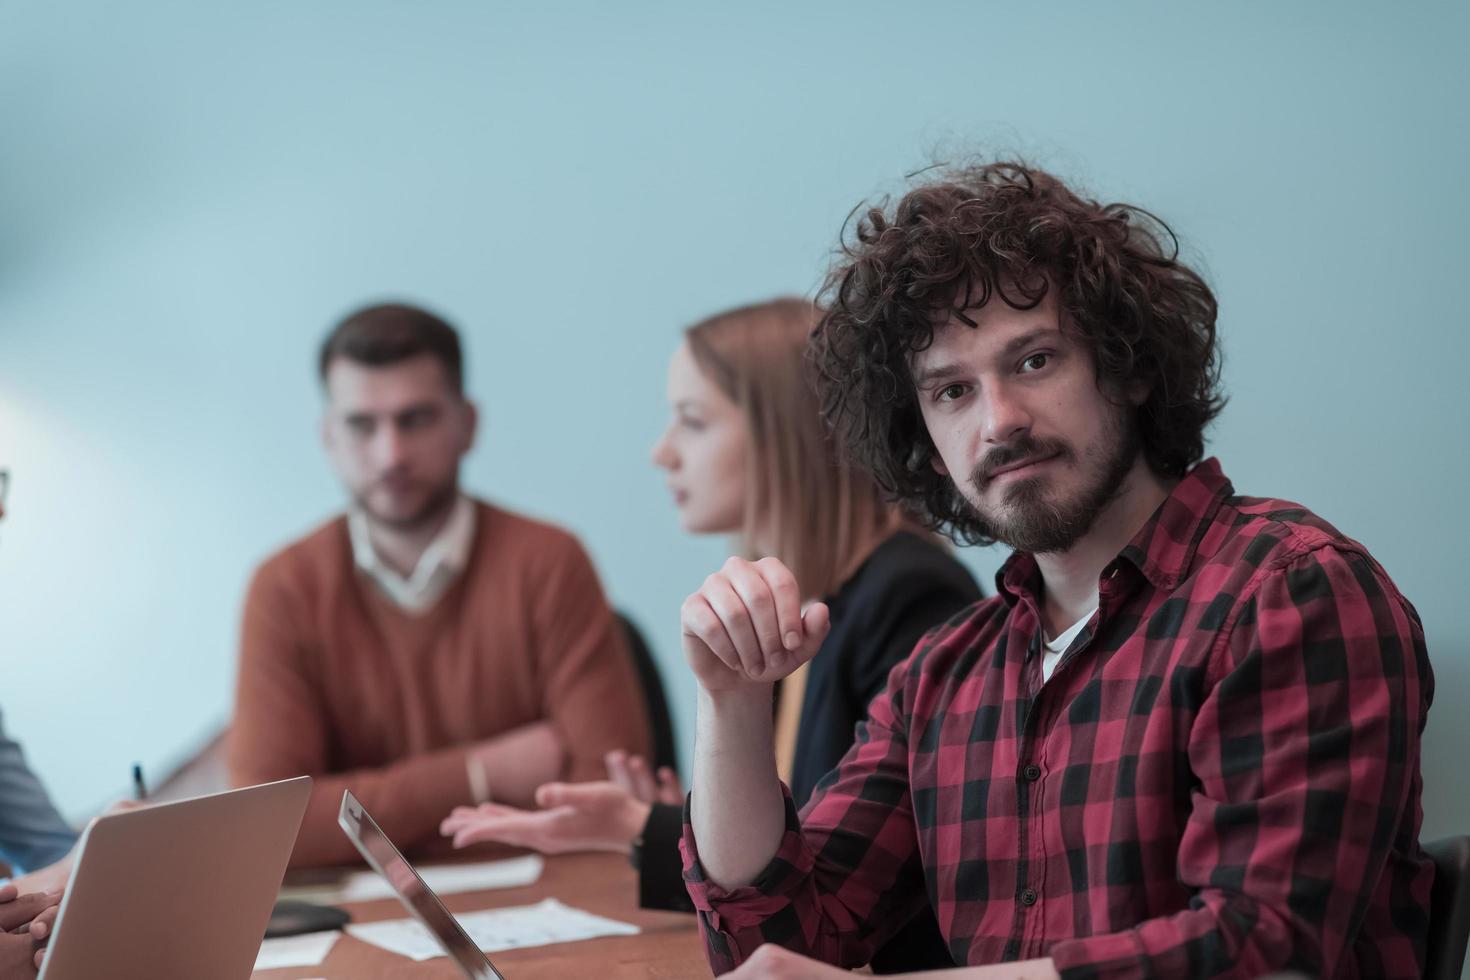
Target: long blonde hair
(810,505)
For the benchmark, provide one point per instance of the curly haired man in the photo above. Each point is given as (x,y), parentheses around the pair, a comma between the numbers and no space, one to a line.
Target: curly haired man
(1183,737)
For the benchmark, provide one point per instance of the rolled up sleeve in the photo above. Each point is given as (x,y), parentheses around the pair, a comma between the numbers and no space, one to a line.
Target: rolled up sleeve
(847,871)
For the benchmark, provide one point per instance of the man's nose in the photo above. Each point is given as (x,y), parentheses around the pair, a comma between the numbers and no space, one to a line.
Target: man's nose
(1007,416)
(390,447)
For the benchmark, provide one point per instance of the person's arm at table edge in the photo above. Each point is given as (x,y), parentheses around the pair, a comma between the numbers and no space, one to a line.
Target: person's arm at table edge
(771,884)
(410,797)
(847,868)
(34,834)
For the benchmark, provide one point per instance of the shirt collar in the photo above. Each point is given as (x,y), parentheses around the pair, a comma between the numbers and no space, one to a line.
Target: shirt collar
(1163,549)
(446,556)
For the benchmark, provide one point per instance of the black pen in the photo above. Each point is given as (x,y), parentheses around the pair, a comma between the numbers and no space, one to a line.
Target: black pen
(140,792)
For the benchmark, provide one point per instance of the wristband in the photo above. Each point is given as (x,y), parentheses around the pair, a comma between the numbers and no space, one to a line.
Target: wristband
(479,781)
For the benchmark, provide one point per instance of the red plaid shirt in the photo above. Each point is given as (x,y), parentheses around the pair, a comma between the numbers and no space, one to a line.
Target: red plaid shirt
(1220,779)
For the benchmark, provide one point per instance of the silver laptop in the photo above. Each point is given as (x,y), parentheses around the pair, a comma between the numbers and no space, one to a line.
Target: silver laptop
(177,891)
(416,896)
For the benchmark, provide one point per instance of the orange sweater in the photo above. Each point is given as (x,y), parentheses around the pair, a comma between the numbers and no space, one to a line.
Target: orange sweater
(339,683)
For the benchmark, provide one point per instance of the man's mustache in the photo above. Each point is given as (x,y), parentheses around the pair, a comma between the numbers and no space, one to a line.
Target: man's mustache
(1022,450)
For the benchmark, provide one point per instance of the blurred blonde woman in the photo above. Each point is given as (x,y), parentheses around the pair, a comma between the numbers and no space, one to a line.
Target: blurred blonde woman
(747,454)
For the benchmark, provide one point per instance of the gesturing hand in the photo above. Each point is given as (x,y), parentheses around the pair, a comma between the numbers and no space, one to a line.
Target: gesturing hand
(632,772)
(745,625)
(601,816)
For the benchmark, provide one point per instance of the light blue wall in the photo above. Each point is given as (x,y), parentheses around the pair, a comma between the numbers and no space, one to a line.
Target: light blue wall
(188,196)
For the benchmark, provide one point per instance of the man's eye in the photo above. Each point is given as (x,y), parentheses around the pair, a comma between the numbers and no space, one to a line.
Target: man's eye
(950,392)
(692,424)
(360,427)
(420,420)
(1035,362)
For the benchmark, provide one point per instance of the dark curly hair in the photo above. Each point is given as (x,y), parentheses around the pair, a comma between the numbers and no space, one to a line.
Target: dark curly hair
(1009,230)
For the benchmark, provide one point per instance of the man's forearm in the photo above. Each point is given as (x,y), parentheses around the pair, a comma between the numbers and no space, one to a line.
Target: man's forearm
(737,807)
(514,763)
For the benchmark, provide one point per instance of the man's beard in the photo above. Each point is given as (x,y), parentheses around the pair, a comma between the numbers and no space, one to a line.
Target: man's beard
(1033,520)
(435,505)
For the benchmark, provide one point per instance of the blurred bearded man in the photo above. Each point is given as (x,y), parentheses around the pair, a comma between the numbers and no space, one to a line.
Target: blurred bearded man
(426,649)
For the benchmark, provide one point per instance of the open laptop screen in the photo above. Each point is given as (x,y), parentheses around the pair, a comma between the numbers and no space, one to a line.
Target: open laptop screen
(416,896)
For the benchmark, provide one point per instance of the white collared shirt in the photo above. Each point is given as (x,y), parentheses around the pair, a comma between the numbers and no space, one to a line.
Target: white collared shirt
(446,556)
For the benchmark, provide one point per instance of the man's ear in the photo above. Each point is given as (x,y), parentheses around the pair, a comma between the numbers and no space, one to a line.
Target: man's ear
(471,424)
(922,454)
(1137,392)
(327,435)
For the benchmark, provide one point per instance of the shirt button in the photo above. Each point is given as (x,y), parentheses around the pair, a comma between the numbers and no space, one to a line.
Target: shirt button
(1031,773)
(1028,897)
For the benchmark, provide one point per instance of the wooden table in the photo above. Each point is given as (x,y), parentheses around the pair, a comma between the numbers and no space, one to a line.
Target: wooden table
(668,948)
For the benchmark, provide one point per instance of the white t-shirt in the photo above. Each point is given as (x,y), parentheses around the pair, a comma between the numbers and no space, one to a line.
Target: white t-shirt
(1052,650)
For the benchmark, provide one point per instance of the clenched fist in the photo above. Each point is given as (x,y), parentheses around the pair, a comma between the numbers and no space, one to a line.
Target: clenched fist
(745,625)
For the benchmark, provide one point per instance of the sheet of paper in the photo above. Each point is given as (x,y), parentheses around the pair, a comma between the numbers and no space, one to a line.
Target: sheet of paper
(449,879)
(495,929)
(308,949)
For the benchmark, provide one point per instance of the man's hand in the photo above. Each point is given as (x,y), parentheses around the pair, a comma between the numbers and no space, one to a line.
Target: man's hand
(19,957)
(25,923)
(633,774)
(745,626)
(42,925)
(17,911)
(743,630)
(40,930)
(601,816)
